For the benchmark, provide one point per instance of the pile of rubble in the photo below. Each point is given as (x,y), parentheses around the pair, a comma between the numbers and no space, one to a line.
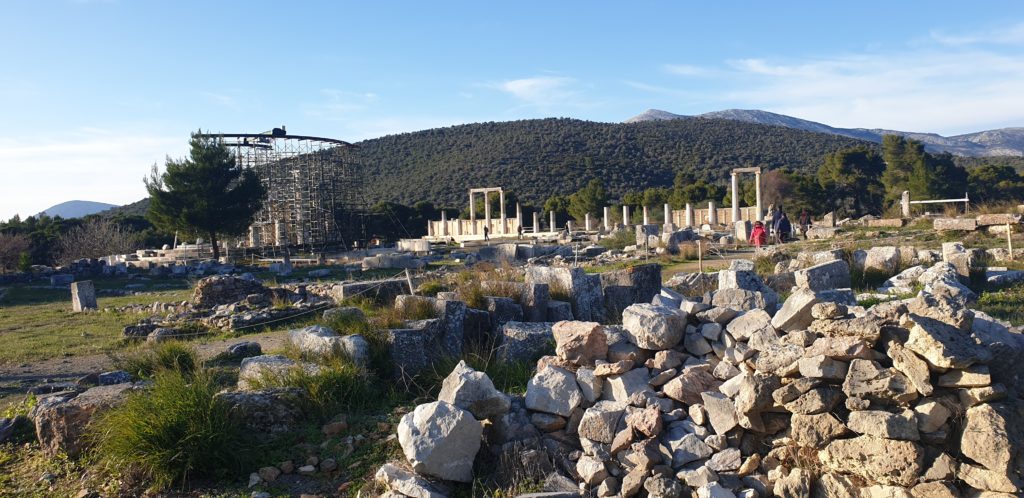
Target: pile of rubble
(734,395)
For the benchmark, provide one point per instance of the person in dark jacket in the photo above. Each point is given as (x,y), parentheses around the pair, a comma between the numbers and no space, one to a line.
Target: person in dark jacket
(784,228)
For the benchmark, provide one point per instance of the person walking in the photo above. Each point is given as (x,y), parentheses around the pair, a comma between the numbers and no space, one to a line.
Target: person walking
(758,237)
(785,228)
(487,231)
(805,223)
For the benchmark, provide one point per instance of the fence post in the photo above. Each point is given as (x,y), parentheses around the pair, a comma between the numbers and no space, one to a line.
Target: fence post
(1009,240)
(700,257)
(408,279)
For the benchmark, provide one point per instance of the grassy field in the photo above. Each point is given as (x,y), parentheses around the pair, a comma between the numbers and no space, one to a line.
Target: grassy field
(37,323)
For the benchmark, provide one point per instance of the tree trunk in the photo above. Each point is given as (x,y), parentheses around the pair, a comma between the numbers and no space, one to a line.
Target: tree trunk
(216,249)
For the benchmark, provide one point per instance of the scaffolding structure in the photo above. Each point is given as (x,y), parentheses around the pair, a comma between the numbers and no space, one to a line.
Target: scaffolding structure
(314,196)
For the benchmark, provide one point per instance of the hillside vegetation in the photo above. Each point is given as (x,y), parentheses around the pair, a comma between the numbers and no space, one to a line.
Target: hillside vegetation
(543,157)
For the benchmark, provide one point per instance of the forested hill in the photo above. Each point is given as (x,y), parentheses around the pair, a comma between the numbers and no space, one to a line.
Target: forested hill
(541,157)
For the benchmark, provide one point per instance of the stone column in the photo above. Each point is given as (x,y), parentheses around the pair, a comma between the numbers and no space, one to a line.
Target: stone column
(536,222)
(501,200)
(472,214)
(586,222)
(444,223)
(430,228)
(519,217)
(757,188)
(689,215)
(568,226)
(607,219)
(735,198)
(905,203)
(458,227)
(552,215)
(712,214)
(625,215)
(647,219)
(487,212)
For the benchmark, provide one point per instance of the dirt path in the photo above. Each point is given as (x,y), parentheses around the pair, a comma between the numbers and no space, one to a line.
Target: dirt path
(16,378)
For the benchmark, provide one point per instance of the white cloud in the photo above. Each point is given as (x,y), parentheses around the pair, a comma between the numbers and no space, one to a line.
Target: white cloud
(539,90)
(1004,35)
(95,165)
(688,70)
(945,85)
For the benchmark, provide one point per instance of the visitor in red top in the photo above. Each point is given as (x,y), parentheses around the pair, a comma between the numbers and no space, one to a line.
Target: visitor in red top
(758,236)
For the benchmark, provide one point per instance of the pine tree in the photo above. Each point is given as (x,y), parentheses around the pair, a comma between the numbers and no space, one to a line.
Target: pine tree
(207,193)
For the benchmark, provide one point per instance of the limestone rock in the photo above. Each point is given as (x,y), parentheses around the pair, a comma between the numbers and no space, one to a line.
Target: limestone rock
(580,342)
(840,348)
(884,424)
(266,411)
(61,422)
(471,390)
(875,459)
(602,421)
(553,390)
(912,366)
(721,411)
(823,367)
(590,384)
(591,470)
(816,431)
(406,483)
(621,387)
(987,437)
(691,382)
(654,327)
(521,341)
(931,415)
(942,345)
(868,379)
(749,323)
(797,484)
(934,490)
(441,440)
(825,276)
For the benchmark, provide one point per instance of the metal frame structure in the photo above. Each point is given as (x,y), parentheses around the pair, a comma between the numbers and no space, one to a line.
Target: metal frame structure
(314,196)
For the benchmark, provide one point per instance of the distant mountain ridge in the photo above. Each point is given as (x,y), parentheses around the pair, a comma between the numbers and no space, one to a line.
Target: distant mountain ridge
(1000,142)
(77,209)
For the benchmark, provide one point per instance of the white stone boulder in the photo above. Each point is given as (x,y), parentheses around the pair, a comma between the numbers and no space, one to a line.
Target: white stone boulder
(553,390)
(441,440)
(472,390)
(654,327)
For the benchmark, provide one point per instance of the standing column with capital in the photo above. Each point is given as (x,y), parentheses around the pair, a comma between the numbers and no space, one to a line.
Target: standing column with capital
(735,198)
(519,217)
(487,212)
(757,187)
(625,216)
(472,214)
(501,199)
(688,221)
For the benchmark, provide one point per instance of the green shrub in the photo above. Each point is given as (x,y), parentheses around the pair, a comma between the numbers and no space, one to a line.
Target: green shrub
(164,356)
(618,240)
(169,433)
(337,386)
(431,288)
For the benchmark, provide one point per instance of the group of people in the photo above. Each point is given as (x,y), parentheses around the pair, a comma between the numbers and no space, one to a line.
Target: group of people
(781,228)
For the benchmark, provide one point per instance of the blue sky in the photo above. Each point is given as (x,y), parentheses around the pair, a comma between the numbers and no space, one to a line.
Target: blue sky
(94,92)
